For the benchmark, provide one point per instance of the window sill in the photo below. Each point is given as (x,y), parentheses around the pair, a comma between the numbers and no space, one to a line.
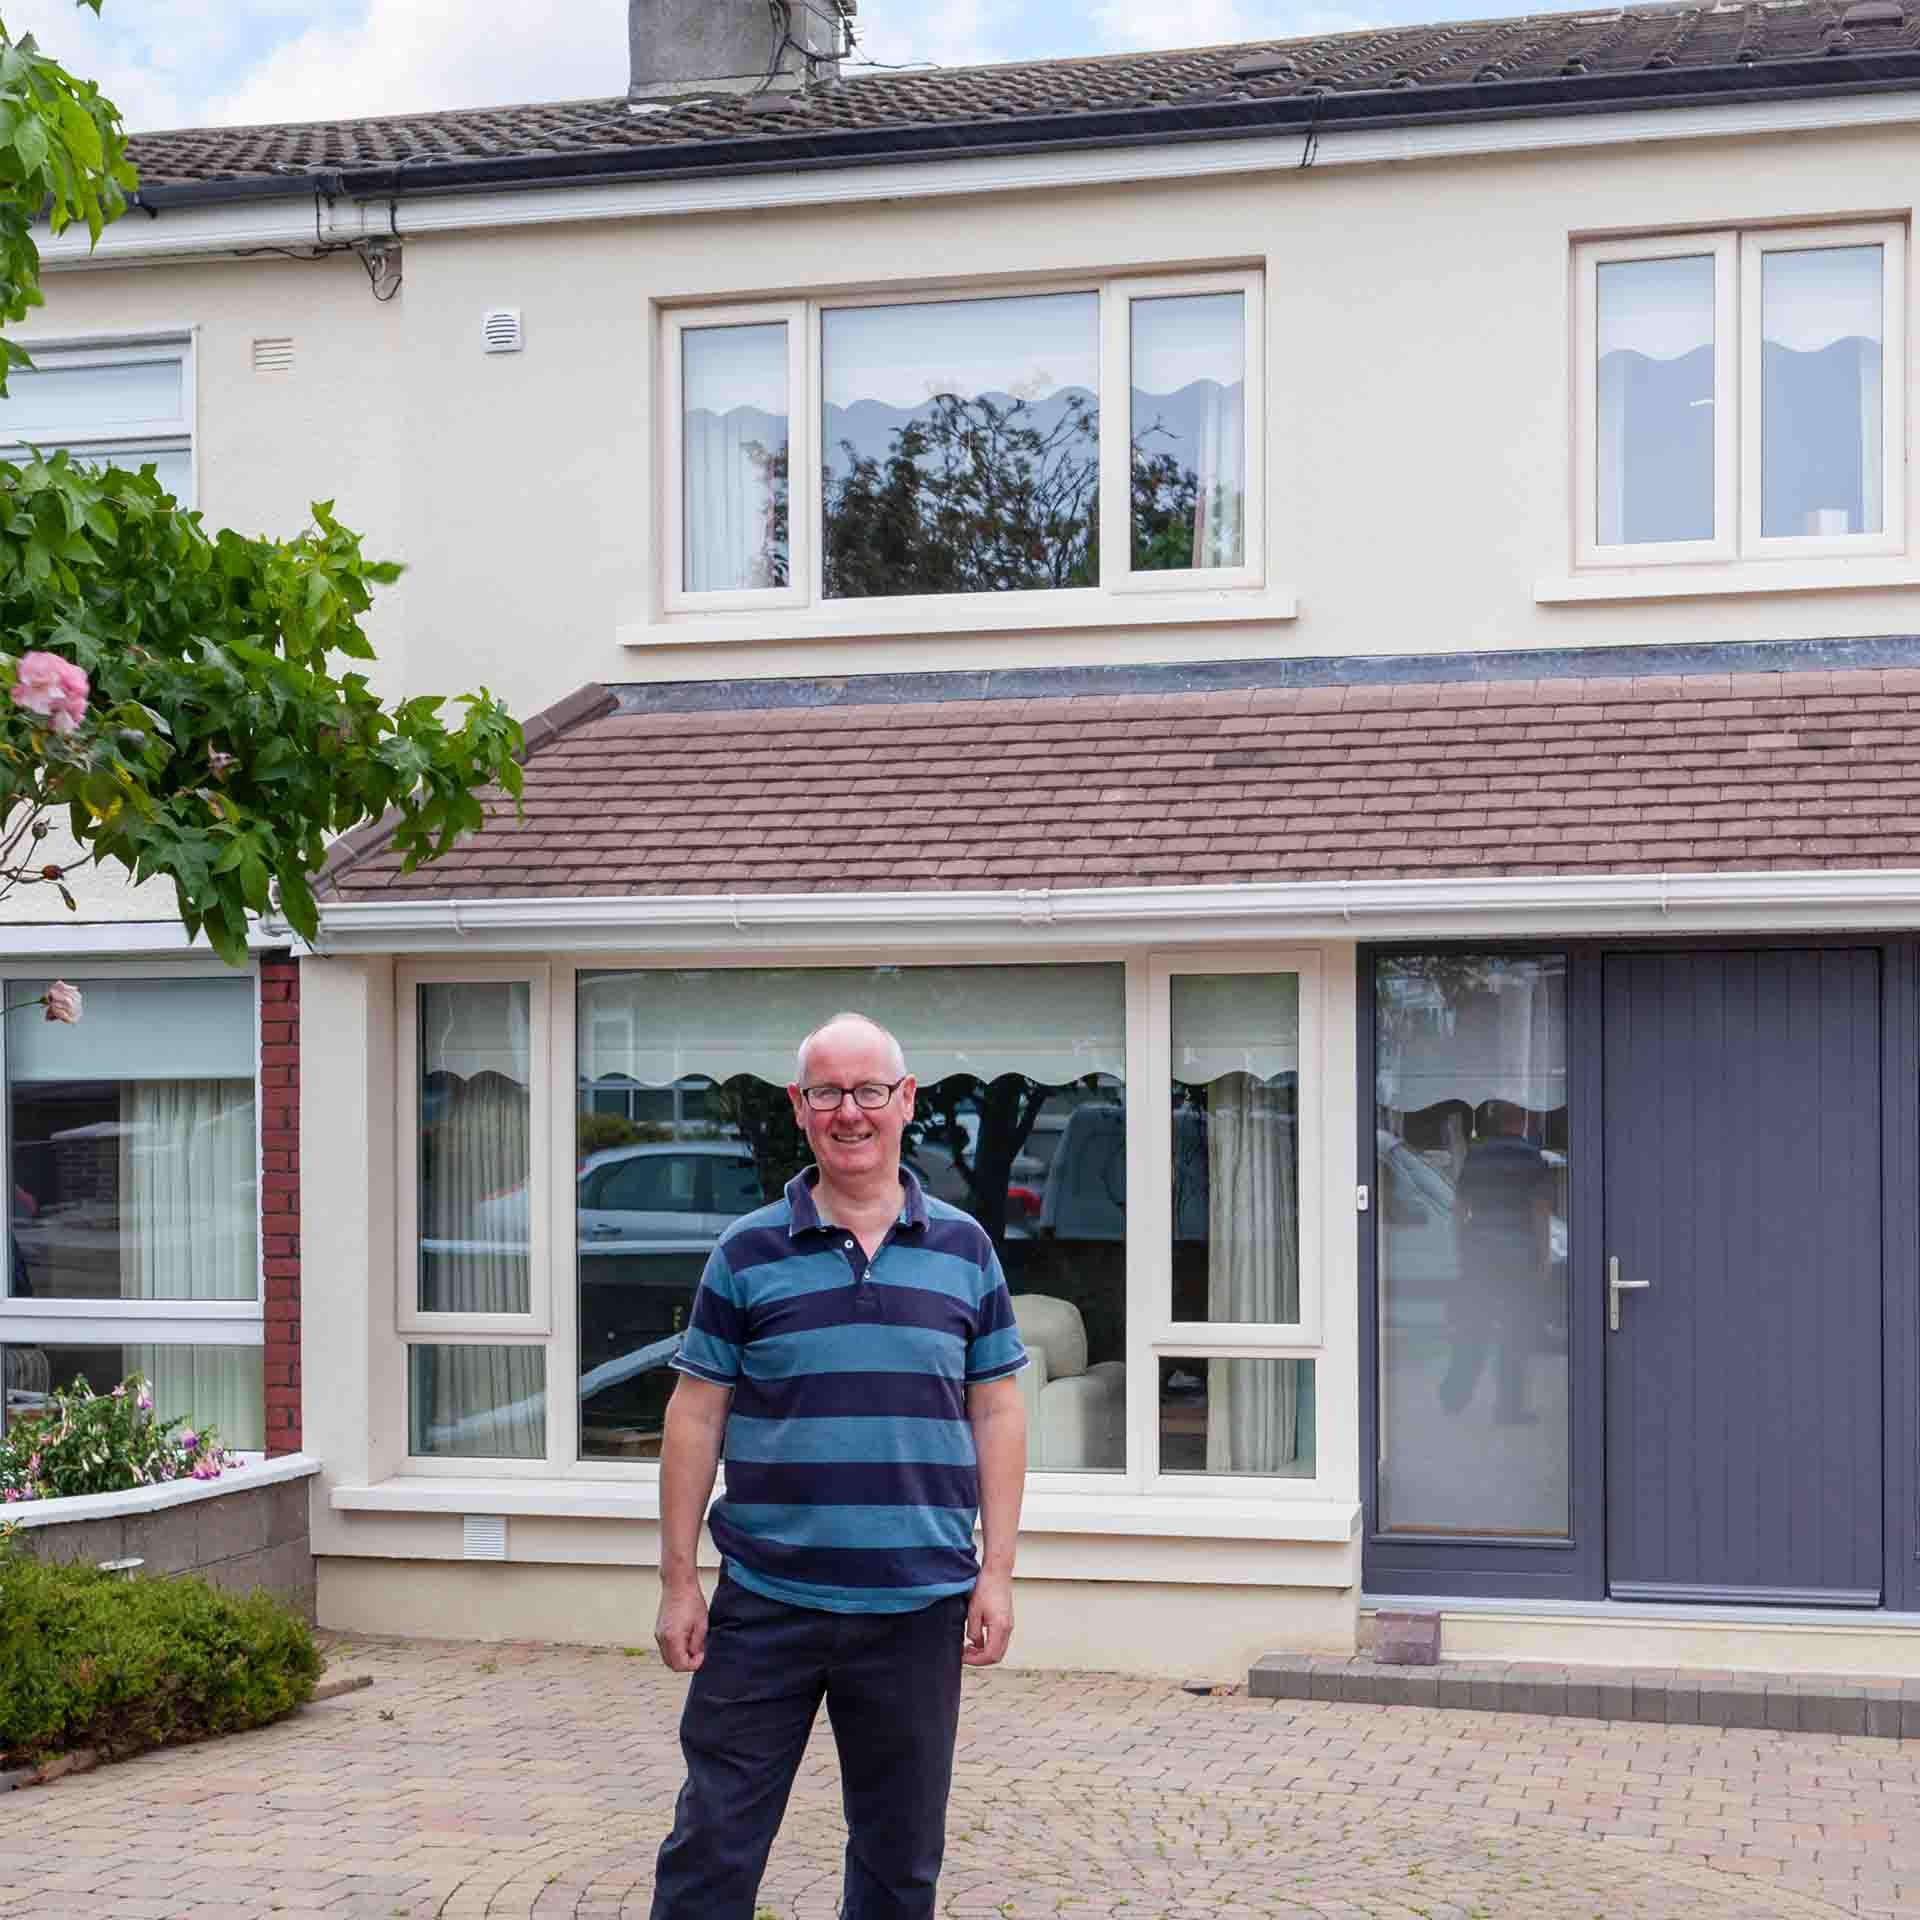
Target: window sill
(1284,1517)
(971,613)
(1700,582)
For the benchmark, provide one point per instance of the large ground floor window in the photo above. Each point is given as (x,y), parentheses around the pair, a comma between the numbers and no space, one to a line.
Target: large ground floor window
(132,1151)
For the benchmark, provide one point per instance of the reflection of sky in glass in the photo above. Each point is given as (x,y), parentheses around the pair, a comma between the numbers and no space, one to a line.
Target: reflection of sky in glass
(1188,337)
(728,367)
(903,356)
(1814,296)
(1821,405)
(72,397)
(1661,308)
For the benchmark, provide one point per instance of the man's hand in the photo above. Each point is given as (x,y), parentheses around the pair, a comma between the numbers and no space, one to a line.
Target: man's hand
(681,1630)
(989,1621)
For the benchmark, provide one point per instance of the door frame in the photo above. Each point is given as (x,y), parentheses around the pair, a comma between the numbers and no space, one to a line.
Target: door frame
(1489,1566)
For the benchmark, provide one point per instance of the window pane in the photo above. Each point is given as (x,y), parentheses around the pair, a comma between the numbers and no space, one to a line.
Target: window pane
(475,1402)
(1471,1216)
(1655,425)
(1822,463)
(1189,432)
(474,1112)
(133,1141)
(1236,1154)
(1237,1416)
(734,397)
(1021,1123)
(218,1387)
(71,399)
(961,443)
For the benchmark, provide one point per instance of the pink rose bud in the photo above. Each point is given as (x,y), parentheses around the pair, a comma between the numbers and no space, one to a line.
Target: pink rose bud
(54,688)
(63,1004)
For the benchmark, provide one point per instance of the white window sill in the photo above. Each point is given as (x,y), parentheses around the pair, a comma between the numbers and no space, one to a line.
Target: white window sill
(964,614)
(1284,1517)
(1699,582)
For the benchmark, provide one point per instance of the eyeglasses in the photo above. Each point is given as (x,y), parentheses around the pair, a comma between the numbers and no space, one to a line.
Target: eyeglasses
(869,1094)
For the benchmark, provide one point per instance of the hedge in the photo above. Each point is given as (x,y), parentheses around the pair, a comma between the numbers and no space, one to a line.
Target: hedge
(95,1660)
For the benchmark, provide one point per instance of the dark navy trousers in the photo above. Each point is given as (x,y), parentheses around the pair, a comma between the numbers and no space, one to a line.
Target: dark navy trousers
(891,1682)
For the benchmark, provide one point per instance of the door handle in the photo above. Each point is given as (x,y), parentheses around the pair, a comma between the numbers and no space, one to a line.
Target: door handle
(1615,1288)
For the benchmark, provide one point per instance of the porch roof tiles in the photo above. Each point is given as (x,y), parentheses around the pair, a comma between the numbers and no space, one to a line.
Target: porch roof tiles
(1687,773)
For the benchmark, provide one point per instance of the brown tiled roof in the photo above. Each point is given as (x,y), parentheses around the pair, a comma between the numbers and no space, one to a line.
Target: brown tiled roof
(1690,773)
(1835,42)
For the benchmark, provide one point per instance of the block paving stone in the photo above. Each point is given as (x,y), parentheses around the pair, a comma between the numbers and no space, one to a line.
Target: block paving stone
(531,1782)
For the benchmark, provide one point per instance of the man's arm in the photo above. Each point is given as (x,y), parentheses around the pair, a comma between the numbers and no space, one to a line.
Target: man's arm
(998,1417)
(689,1459)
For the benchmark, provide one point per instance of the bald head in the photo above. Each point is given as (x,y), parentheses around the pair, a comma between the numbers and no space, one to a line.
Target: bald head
(847,1026)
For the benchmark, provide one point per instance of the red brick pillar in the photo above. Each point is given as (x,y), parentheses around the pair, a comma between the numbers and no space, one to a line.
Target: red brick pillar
(280,1193)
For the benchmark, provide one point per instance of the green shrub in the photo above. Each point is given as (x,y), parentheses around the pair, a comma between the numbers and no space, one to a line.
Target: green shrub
(87,1442)
(91,1659)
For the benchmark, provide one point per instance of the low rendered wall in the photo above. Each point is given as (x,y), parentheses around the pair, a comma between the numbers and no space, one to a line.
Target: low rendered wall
(248,1529)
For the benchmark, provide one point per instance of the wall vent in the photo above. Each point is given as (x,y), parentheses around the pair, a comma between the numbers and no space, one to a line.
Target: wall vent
(483,1536)
(273,356)
(500,331)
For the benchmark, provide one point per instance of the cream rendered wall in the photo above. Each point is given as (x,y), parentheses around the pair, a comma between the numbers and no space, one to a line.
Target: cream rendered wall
(1417,373)
(266,445)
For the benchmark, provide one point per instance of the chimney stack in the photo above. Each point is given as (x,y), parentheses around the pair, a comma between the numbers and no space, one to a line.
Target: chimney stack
(731,46)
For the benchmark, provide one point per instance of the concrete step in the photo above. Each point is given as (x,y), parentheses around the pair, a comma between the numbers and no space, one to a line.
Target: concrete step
(1662,1696)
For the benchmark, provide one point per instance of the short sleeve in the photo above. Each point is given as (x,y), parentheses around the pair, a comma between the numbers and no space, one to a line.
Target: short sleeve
(996,1349)
(716,1331)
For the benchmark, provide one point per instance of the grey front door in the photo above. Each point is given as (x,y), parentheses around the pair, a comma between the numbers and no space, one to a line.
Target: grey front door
(1742,1140)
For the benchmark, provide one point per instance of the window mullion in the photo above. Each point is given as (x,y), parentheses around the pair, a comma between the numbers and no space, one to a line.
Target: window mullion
(1116,438)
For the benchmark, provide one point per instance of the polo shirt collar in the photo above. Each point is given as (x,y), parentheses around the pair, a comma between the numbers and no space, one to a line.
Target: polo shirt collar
(806,1215)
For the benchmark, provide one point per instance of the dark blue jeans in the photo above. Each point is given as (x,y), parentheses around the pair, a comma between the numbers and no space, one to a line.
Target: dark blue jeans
(891,1682)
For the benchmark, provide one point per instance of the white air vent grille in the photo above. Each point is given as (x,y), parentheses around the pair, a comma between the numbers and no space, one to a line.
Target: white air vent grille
(500,331)
(483,1536)
(273,356)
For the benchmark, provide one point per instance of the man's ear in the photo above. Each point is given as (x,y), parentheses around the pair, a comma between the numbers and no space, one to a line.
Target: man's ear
(799,1107)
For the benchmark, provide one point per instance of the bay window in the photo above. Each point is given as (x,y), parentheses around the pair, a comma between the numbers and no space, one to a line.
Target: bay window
(132,1148)
(1095,439)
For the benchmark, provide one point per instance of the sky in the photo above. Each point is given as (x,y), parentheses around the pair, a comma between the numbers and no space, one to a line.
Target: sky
(180,63)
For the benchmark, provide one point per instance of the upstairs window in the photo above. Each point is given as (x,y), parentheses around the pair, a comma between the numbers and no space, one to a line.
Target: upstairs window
(1740,396)
(111,404)
(1096,438)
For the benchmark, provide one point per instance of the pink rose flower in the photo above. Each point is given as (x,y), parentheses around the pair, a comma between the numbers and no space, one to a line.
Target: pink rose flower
(54,688)
(63,1004)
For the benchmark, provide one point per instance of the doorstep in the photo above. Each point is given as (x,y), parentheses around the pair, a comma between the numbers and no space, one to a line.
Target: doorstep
(1888,1708)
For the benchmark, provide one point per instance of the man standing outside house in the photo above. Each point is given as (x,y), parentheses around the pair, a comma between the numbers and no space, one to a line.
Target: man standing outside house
(852,1349)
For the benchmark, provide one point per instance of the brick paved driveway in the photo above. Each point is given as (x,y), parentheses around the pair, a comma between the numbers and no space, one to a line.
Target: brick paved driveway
(535,1782)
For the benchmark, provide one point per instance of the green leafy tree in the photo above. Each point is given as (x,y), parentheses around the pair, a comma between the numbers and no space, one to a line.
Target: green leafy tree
(184,701)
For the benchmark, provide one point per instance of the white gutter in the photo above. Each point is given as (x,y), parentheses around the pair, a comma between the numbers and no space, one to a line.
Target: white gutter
(188,232)
(1552,906)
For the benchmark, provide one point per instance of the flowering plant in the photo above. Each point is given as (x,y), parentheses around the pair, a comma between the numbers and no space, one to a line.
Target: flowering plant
(87,1442)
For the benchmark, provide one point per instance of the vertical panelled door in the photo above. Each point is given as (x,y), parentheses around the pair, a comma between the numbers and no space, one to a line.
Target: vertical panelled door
(1742,1220)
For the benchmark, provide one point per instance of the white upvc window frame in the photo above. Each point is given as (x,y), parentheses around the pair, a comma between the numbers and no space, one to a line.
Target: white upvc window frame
(1754,248)
(150,1323)
(802,431)
(1736,554)
(135,440)
(535,1326)
(1117,572)
(1153,1333)
(1122,595)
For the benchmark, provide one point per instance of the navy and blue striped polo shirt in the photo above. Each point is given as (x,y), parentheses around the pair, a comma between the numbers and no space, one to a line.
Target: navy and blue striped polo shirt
(851,1479)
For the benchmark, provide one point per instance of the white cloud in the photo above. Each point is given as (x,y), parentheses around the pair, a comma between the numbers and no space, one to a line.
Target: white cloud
(960,33)
(413,56)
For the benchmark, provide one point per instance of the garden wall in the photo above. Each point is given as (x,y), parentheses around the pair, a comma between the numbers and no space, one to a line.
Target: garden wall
(245,1532)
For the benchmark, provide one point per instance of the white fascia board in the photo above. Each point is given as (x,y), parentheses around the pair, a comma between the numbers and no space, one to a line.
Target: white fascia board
(104,939)
(1545,905)
(228,228)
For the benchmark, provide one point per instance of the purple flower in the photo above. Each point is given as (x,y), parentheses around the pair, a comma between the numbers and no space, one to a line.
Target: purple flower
(120,1392)
(188,1438)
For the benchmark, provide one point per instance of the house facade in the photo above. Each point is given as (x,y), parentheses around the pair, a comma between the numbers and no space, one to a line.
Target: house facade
(1327,632)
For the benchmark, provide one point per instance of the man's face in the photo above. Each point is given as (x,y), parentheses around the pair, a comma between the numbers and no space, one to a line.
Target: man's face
(849,1142)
